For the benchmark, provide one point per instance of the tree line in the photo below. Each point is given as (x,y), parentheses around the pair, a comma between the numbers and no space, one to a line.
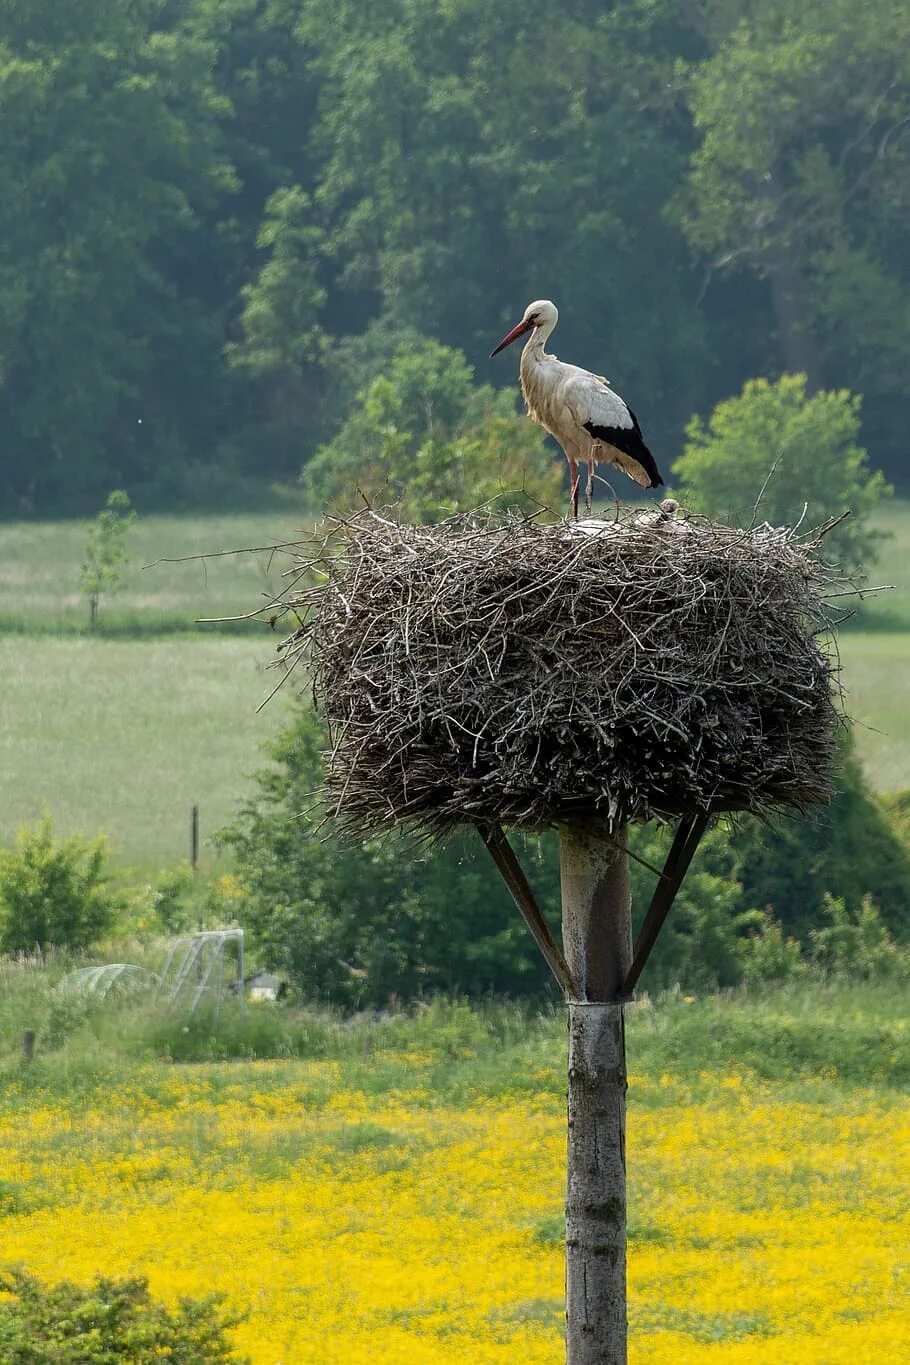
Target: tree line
(219,218)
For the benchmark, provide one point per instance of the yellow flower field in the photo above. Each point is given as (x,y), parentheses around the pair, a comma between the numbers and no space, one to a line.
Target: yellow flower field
(357,1228)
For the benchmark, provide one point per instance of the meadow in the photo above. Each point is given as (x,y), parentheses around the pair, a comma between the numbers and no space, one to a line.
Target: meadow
(126,730)
(393,1190)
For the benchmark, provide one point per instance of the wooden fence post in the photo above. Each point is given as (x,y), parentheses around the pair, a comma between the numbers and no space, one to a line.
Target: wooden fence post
(194,838)
(596,908)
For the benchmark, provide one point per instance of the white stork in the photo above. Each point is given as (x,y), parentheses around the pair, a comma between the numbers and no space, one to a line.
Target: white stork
(579,409)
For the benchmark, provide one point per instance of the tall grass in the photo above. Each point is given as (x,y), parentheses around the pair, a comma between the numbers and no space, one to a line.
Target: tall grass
(810,1032)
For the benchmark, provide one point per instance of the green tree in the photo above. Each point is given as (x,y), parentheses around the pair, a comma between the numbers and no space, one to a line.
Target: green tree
(283,348)
(423,434)
(802,450)
(105,550)
(848,849)
(474,157)
(54,891)
(801,178)
(856,945)
(112,151)
(357,924)
(767,954)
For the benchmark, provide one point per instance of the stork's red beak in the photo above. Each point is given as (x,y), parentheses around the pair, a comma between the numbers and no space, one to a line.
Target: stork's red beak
(515,333)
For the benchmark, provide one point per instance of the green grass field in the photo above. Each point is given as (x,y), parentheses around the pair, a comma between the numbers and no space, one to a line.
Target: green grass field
(124,732)
(890,611)
(39,572)
(126,735)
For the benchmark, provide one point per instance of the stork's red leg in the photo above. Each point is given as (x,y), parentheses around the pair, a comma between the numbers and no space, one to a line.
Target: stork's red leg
(589,489)
(573,486)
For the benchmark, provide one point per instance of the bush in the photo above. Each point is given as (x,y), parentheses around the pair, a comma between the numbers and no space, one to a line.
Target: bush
(171,899)
(358,924)
(856,945)
(848,849)
(423,434)
(767,955)
(54,891)
(699,946)
(107,1323)
(727,460)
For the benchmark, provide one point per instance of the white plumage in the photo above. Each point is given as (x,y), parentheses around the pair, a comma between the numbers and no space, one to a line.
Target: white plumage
(579,409)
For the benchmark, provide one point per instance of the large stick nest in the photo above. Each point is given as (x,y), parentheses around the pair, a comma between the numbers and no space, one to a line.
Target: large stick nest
(655,665)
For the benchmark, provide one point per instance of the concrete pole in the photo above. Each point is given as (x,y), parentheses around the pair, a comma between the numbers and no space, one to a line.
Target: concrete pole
(596,909)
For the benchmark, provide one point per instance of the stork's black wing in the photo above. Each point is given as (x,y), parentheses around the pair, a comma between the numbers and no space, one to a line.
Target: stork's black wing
(630,441)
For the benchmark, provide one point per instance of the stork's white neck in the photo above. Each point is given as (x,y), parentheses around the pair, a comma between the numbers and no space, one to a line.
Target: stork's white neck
(534,346)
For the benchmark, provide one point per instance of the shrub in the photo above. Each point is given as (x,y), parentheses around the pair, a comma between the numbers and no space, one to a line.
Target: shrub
(422,433)
(848,849)
(727,460)
(856,944)
(54,891)
(105,551)
(699,946)
(767,955)
(106,1323)
(356,924)
(172,899)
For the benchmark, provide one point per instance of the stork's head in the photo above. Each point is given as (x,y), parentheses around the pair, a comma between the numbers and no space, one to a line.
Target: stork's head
(541,313)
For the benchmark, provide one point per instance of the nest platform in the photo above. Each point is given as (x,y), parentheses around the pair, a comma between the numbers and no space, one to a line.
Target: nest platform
(655,665)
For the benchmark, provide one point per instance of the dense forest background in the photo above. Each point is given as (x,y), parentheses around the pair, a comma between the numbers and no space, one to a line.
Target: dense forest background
(218,217)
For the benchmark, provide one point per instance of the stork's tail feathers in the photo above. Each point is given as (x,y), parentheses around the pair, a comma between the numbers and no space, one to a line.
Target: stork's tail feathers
(625,447)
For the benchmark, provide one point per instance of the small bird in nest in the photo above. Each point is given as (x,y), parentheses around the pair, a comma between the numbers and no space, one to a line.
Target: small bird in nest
(579,409)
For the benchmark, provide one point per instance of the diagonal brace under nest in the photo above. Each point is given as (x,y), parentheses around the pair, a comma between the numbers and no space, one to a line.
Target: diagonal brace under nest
(503,856)
(682,850)
(688,835)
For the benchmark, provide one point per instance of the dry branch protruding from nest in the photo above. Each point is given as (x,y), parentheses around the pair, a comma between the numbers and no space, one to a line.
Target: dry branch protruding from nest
(652,666)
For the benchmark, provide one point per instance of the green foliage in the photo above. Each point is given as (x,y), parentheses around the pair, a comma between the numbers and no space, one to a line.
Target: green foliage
(424,435)
(105,549)
(360,924)
(283,348)
(172,900)
(801,449)
(112,153)
(849,850)
(800,148)
(106,1323)
(269,182)
(897,808)
(699,946)
(54,891)
(855,945)
(768,955)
